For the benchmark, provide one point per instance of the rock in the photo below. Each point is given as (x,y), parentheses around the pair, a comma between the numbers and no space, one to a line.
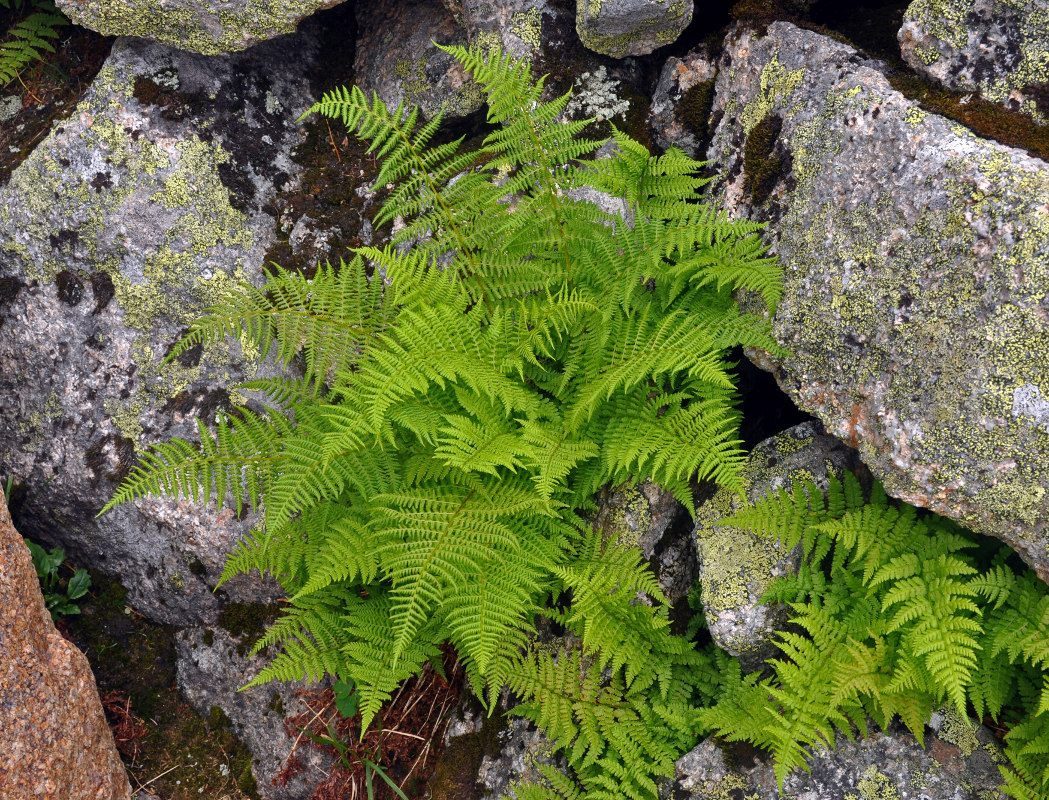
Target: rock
(414,70)
(620,28)
(524,749)
(736,567)
(212,667)
(54,738)
(681,103)
(916,270)
(515,25)
(650,518)
(996,48)
(200,26)
(130,218)
(958,761)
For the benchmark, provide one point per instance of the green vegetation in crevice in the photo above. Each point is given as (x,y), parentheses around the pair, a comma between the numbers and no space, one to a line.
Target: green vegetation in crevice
(31,34)
(455,776)
(762,166)
(894,613)
(185,756)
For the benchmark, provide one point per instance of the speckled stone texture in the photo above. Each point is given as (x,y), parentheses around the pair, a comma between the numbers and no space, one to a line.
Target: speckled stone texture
(997,48)
(396,57)
(212,666)
(737,567)
(131,217)
(620,28)
(55,743)
(648,517)
(680,110)
(515,25)
(210,27)
(916,277)
(958,761)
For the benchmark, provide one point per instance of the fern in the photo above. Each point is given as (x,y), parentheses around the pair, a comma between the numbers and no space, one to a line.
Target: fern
(419,480)
(29,37)
(901,612)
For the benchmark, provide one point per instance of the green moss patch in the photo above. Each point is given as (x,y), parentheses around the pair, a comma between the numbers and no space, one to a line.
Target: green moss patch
(762,166)
(178,753)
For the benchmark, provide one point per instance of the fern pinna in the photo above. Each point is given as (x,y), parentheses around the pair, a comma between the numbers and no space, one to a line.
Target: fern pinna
(31,34)
(420,481)
(893,614)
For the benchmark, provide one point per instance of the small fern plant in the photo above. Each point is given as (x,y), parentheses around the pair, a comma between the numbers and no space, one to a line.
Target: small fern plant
(420,479)
(893,614)
(29,37)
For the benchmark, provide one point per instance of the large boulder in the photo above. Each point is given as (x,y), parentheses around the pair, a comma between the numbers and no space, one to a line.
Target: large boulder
(682,101)
(202,26)
(916,271)
(131,217)
(620,28)
(959,759)
(997,48)
(54,739)
(736,567)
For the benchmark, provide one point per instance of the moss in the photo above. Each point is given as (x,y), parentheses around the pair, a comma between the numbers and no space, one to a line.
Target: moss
(455,776)
(208,637)
(762,167)
(246,622)
(694,108)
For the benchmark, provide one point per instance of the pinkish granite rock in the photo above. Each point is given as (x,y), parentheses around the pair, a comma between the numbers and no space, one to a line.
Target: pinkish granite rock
(54,740)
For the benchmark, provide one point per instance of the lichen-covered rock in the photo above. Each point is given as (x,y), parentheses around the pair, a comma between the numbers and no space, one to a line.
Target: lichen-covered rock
(515,25)
(128,220)
(54,739)
(202,26)
(736,567)
(212,667)
(916,270)
(620,28)
(959,760)
(648,517)
(997,48)
(398,60)
(524,748)
(682,101)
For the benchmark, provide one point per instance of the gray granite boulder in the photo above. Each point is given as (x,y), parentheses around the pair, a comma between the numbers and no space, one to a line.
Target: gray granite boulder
(682,101)
(916,271)
(959,760)
(212,666)
(736,567)
(620,28)
(131,217)
(202,26)
(996,48)
(398,60)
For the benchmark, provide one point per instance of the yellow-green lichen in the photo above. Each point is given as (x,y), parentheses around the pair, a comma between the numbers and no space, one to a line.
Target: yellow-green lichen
(36,420)
(874,786)
(777,85)
(627,516)
(664,29)
(528,27)
(189,30)
(914,116)
(126,417)
(959,730)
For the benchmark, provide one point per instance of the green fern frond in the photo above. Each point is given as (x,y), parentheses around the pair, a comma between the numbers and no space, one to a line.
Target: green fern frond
(28,39)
